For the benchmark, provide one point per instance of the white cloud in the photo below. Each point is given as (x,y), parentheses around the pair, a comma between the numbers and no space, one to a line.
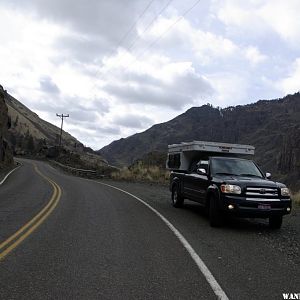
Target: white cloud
(291,84)
(254,55)
(25,51)
(204,45)
(165,84)
(209,46)
(283,17)
(240,15)
(232,88)
(260,17)
(84,17)
(233,12)
(65,56)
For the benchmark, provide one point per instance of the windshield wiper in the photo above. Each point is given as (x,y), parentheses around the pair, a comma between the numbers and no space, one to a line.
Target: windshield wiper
(250,175)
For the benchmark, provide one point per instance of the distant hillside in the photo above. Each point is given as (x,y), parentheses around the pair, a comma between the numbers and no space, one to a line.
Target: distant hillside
(31,135)
(24,122)
(272,126)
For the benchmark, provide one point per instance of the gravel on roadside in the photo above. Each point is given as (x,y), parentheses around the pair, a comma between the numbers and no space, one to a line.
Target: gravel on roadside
(286,240)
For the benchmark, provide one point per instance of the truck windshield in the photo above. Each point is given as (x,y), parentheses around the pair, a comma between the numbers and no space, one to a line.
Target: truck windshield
(237,167)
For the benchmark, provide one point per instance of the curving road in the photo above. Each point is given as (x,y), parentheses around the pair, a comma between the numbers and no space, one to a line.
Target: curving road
(95,242)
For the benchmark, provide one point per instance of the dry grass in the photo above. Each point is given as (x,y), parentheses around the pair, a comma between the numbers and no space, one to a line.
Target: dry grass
(140,173)
(24,124)
(296,198)
(92,161)
(30,122)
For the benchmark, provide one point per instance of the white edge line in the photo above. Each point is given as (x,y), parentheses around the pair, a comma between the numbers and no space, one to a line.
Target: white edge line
(219,292)
(10,174)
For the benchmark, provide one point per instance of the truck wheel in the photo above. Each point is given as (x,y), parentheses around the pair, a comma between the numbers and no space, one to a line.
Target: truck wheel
(177,199)
(215,215)
(275,222)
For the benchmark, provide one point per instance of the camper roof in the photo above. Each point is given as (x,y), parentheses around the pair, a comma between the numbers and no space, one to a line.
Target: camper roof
(211,147)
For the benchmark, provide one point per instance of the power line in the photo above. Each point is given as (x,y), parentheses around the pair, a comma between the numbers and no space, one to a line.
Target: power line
(134,24)
(138,37)
(164,33)
(150,24)
(130,29)
(128,32)
(161,35)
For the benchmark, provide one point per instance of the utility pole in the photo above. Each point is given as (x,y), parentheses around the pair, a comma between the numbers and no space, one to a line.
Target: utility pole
(62,116)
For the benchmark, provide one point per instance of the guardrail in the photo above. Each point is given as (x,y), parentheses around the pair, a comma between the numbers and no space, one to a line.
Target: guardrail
(79,172)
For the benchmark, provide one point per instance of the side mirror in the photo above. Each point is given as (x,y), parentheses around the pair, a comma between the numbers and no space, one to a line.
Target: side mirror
(268,175)
(201,171)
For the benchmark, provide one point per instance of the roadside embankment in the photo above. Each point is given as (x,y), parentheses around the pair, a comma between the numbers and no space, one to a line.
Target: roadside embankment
(6,157)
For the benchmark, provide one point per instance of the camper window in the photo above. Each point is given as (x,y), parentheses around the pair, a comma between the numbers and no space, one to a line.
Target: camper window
(174,161)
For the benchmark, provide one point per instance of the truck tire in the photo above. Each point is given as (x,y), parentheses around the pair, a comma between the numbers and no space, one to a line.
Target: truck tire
(177,199)
(215,215)
(275,222)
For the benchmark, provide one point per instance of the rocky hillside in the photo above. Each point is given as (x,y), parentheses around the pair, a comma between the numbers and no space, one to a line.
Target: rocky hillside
(5,151)
(33,136)
(272,126)
(27,125)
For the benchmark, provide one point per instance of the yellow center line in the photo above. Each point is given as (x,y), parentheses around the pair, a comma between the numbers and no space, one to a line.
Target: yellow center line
(35,222)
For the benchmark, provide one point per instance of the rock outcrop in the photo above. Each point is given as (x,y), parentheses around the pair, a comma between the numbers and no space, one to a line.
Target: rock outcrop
(6,157)
(289,158)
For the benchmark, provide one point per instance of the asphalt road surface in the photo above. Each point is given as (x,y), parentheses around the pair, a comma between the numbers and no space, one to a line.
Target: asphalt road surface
(63,237)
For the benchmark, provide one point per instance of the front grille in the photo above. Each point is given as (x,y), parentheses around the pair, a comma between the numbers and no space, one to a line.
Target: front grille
(262,193)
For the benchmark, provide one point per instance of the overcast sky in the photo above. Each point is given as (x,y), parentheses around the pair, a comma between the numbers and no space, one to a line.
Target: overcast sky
(119,66)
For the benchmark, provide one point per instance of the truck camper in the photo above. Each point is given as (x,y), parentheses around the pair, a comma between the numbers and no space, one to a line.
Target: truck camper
(225,180)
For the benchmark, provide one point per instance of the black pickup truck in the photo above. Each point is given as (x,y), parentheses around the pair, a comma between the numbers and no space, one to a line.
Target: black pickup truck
(230,185)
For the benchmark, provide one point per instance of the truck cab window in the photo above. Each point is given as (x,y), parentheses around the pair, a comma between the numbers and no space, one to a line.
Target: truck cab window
(203,164)
(195,165)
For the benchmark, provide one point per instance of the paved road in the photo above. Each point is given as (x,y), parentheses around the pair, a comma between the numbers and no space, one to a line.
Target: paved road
(99,243)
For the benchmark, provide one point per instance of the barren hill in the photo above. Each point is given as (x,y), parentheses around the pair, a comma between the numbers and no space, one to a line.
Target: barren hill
(24,122)
(272,126)
(31,135)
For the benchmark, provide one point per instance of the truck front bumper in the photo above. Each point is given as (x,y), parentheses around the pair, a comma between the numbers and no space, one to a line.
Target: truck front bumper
(257,208)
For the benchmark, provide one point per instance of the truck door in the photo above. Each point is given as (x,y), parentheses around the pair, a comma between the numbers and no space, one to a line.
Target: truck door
(196,183)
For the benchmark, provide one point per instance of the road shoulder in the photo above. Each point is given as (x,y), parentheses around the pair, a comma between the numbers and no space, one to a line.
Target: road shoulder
(7,171)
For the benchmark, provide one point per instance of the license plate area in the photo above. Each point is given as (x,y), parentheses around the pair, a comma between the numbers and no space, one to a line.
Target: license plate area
(264,206)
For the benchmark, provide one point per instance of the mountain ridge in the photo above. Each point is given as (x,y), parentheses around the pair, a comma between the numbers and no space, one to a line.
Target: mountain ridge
(272,126)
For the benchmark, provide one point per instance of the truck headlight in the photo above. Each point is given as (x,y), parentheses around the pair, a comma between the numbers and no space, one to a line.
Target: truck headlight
(285,192)
(230,189)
